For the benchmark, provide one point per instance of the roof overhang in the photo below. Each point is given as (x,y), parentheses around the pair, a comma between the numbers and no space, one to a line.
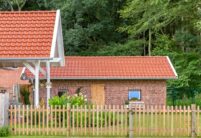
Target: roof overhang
(56,57)
(109,78)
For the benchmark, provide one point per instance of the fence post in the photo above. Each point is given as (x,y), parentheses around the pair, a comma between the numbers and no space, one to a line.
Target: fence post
(130,122)
(193,121)
(69,119)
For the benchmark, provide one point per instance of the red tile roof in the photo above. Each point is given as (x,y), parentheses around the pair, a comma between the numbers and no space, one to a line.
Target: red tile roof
(114,67)
(26,34)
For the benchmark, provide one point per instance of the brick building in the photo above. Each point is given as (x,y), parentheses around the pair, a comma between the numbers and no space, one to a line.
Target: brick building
(112,80)
(10,82)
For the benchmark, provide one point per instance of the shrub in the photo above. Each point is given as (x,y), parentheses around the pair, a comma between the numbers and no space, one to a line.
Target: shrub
(4,131)
(25,93)
(77,99)
(56,100)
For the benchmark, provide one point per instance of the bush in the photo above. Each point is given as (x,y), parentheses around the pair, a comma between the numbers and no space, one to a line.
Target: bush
(185,101)
(25,93)
(4,131)
(77,99)
(56,100)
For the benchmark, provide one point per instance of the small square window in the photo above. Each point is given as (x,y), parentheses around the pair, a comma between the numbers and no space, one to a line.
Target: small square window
(134,95)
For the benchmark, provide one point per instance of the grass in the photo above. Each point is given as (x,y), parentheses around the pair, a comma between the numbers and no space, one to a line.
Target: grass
(82,137)
(60,137)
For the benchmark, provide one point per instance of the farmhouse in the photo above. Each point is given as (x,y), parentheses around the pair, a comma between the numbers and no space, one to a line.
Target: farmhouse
(112,79)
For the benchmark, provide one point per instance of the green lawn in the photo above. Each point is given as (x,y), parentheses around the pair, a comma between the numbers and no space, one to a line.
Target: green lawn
(55,137)
(37,137)
(81,137)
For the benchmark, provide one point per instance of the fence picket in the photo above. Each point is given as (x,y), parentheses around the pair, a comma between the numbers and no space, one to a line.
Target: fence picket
(126,121)
(188,120)
(11,117)
(198,120)
(63,120)
(85,120)
(151,120)
(109,120)
(51,118)
(47,120)
(113,119)
(73,119)
(101,119)
(176,118)
(172,123)
(27,120)
(89,120)
(180,118)
(81,119)
(39,120)
(164,120)
(15,119)
(43,120)
(77,119)
(105,118)
(184,120)
(97,120)
(93,120)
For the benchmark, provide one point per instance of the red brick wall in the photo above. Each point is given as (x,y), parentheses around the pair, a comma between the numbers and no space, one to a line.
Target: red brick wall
(116,91)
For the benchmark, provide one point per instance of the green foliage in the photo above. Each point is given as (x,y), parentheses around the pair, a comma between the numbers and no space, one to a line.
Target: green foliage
(25,93)
(88,24)
(164,46)
(185,101)
(76,100)
(5,131)
(56,100)
(187,64)
(130,48)
(143,15)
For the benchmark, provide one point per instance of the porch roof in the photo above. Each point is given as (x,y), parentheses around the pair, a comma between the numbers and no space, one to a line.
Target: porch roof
(30,36)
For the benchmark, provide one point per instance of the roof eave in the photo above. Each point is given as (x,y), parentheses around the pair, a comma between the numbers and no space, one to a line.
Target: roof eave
(27,58)
(108,78)
(172,67)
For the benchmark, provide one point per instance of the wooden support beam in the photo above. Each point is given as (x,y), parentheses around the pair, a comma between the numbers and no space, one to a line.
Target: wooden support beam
(30,68)
(48,84)
(36,92)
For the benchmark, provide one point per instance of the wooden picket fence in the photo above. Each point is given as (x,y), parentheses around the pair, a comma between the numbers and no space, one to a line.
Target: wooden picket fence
(106,120)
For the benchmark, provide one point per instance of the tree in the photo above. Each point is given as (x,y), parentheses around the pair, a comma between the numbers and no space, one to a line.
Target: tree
(157,16)
(12,4)
(89,24)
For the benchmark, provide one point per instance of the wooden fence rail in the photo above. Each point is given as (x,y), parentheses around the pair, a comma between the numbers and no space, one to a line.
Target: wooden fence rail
(107,120)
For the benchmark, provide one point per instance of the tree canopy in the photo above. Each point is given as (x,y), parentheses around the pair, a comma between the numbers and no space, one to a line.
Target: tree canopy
(131,27)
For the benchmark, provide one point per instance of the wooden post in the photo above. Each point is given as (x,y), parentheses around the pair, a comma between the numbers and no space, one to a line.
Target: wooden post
(68,114)
(130,122)
(193,121)
(48,84)
(36,91)
(172,121)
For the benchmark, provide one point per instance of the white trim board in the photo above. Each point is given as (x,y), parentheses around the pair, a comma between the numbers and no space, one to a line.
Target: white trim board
(172,67)
(57,40)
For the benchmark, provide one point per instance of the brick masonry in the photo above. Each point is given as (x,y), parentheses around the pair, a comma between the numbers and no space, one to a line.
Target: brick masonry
(153,92)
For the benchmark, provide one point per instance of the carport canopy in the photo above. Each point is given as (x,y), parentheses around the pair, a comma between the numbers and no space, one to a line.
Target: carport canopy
(32,39)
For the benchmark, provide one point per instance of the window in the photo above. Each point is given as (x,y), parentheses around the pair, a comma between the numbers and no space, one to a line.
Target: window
(134,95)
(62,92)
